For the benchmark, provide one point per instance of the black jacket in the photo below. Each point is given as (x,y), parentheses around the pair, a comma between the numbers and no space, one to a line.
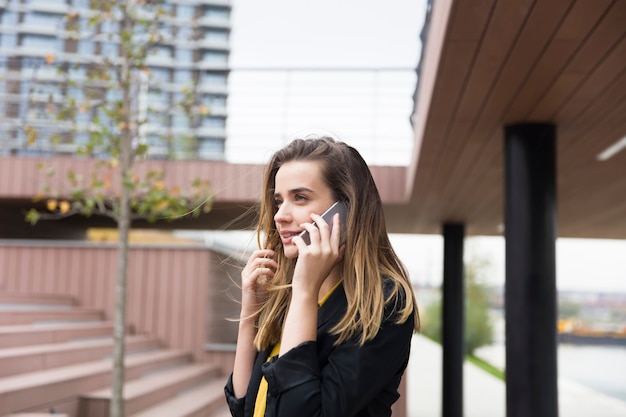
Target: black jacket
(319,379)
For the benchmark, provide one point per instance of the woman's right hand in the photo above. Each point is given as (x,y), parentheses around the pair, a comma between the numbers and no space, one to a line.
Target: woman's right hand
(255,279)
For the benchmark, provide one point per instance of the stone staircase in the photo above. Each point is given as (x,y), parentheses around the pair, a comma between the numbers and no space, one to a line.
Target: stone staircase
(55,358)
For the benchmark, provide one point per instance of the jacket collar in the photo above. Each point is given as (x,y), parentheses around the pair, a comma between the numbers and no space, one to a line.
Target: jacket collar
(334,308)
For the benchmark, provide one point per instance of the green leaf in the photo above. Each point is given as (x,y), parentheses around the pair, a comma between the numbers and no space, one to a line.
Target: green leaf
(32,216)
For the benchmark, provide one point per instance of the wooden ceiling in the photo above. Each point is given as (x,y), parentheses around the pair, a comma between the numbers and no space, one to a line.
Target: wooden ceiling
(490,63)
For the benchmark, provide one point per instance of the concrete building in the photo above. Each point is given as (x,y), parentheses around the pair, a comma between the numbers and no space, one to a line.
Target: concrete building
(193,51)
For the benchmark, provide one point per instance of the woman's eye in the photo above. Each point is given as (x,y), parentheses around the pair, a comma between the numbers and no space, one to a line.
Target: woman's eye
(300,197)
(277,203)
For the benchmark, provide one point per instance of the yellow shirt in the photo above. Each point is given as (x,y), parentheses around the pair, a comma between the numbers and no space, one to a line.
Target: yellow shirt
(261,396)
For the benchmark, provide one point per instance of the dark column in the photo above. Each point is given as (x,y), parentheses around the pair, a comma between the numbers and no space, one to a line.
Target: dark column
(453,322)
(530,211)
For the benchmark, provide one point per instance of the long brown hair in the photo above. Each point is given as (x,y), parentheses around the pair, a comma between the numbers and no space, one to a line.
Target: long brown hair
(368,257)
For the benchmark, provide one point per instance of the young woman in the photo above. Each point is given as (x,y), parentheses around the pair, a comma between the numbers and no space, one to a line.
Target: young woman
(325,328)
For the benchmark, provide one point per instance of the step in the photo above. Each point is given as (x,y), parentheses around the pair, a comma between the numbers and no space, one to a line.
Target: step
(24,335)
(8,317)
(201,401)
(148,390)
(37,299)
(18,392)
(25,359)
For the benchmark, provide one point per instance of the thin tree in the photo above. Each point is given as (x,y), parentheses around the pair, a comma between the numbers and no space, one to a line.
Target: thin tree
(114,97)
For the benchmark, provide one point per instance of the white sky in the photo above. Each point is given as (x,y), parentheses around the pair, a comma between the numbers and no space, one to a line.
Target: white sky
(582,264)
(366,109)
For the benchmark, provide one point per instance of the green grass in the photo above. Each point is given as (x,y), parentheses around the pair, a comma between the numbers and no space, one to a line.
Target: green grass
(486,366)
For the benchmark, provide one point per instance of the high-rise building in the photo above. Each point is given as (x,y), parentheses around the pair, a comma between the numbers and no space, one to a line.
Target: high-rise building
(194,52)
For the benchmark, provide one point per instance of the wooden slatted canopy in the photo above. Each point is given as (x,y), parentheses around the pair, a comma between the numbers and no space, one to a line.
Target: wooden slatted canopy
(490,63)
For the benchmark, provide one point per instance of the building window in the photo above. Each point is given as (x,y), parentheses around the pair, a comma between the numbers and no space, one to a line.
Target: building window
(8,41)
(180,120)
(41,42)
(48,2)
(81,139)
(214,102)
(86,47)
(208,147)
(161,52)
(44,20)
(109,49)
(109,27)
(77,73)
(183,77)
(216,13)
(156,119)
(216,35)
(214,79)
(159,76)
(185,12)
(81,4)
(8,18)
(214,122)
(157,97)
(184,33)
(214,57)
(184,56)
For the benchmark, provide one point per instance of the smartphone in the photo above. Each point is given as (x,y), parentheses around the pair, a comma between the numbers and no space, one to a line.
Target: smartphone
(338,207)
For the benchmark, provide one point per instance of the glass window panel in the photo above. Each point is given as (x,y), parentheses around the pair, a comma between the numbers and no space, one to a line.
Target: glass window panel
(185,12)
(216,35)
(211,146)
(48,20)
(183,77)
(77,73)
(48,2)
(180,120)
(211,78)
(156,119)
(109,27)
(86,47)
(47,43)
(177,98)
(159,76)
(184,55)
(214,122)
(81,4)
(8,40)
(216,102)
(156,97)
(81,138)
(161,51)
(86,29)
(109,49)
(184,33)
(213,57)
(8,18)
(217,13)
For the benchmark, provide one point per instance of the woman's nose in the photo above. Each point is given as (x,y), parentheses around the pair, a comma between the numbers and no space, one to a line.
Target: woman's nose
(283,214)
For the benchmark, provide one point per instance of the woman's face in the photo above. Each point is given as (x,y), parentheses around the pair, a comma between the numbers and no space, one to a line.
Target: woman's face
(299,191)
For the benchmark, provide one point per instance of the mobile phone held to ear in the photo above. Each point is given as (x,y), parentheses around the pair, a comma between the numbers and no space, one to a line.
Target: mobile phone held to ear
(338,207)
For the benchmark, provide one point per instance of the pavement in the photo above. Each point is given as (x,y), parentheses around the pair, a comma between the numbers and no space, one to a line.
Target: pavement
(485,395)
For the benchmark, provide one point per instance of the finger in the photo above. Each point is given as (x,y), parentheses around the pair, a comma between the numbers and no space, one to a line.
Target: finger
(313,231)
(322,226)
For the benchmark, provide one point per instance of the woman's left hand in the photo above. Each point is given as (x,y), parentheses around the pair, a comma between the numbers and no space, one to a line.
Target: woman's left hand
(316,261)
